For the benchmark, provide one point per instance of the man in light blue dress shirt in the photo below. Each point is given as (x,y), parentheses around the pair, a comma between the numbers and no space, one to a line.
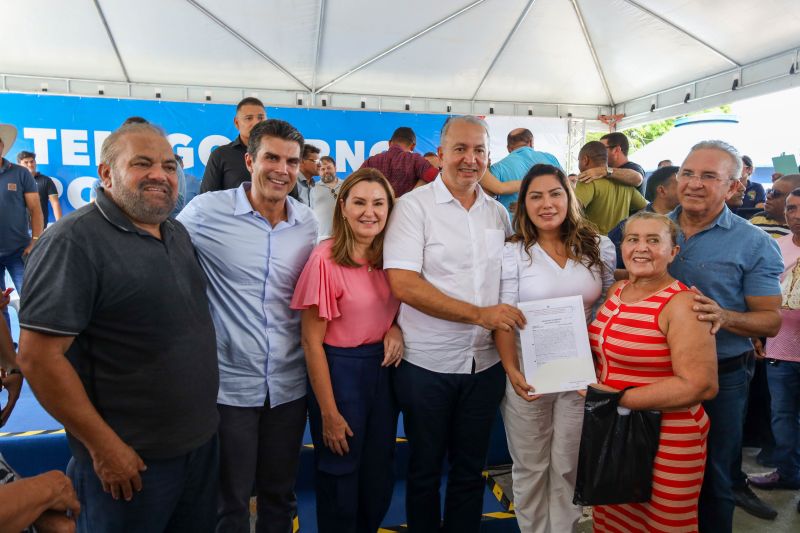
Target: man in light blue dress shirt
(521,157)
(253,242)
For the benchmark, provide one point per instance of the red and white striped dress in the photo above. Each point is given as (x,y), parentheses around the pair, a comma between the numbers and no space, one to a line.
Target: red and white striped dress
(630,350)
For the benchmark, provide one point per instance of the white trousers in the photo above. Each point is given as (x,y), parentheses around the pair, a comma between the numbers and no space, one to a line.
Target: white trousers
(544,438)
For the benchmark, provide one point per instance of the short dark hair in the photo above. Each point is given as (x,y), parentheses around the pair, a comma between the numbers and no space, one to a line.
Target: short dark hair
(404,135)
(310,149)
(279,129)
(595,151)
(327,158)
(430,154)
(250,100)
(135,120)
(657,178)
(525,136)
(25,155)
(616,138)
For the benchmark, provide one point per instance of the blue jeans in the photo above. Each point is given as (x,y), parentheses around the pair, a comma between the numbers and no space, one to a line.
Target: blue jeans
(784,387)
(16,268)
(447,415)
(178,495)
(726,413)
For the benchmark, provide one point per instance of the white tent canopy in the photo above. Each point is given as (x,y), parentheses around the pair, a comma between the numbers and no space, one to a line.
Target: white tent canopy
(512,57)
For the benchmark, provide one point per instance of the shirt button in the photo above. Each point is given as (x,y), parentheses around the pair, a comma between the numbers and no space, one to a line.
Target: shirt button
(616,311)
(600,340)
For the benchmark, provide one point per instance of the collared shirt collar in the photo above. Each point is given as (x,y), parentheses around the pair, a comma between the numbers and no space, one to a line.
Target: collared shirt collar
(242,205)
(442,194)
(238,142)
(116,216)
(303,180)
(5,164)
(723,220)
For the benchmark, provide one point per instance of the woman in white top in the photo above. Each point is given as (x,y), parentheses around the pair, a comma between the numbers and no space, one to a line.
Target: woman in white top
(553,252)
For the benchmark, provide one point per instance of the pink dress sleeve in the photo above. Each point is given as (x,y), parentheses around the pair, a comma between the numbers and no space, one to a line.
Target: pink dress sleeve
(316,285)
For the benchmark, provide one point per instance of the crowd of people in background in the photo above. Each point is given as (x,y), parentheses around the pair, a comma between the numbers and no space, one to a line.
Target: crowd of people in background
(184,340)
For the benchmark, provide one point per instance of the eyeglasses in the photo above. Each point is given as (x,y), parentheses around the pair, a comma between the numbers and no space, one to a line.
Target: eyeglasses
(704,178)
(776,194)
(316,161)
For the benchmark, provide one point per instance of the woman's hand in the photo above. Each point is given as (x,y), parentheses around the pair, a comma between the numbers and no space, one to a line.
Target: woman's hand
(598,386)
(335,431)
(522,387)
(393,346)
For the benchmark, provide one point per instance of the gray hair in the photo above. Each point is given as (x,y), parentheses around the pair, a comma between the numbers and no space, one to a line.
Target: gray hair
(722,146)
(111,146)
(470,119)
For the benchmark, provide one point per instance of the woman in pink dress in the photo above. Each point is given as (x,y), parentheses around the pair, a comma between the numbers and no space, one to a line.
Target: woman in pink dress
(351,342)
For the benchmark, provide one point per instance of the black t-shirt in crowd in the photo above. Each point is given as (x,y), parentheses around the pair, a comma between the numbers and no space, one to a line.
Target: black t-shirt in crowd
(145,348)
(633,166)
(226,168)
(46,189)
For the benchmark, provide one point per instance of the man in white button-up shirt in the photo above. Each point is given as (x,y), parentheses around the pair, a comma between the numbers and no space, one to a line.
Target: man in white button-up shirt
(443,250)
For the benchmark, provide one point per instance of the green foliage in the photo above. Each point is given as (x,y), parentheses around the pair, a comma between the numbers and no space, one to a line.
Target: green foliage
(647,133)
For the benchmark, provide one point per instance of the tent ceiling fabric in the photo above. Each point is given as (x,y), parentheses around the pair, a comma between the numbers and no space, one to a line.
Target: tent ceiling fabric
(527,51)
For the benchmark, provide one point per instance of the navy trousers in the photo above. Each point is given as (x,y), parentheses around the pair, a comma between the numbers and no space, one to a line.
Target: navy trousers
(177,496)
(447,415)
(354,490)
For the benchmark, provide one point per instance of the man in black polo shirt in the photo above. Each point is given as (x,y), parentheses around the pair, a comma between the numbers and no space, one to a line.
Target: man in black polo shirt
(118,344)
(225,168)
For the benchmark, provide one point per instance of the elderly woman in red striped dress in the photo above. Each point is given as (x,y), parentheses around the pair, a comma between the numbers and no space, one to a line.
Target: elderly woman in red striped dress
(647,336)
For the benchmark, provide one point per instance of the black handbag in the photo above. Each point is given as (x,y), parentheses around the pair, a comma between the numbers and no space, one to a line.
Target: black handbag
(618,448)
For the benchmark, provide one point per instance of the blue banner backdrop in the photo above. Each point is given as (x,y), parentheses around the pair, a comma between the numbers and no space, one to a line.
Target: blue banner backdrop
(67,132)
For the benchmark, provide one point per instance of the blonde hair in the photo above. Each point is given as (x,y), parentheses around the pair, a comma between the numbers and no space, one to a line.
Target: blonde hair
(344,241)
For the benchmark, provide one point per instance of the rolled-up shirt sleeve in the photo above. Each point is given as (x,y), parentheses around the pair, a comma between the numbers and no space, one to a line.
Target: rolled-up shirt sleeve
(404,244)
(762,279)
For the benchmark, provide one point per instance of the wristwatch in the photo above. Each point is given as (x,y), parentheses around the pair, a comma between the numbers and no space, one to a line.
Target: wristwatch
(609,171)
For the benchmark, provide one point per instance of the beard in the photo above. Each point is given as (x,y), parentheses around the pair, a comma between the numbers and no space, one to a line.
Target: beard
(328,178)
(137,205)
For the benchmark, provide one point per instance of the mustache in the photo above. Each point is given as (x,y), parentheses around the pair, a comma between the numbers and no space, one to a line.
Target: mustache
(156,183)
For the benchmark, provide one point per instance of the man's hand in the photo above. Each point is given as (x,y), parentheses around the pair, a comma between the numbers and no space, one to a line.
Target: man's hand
(501,316)
(55,522)
(62,494)
(392,347)
(758,348)
(13,384)
(709,311)
(118,466)
(592,174)
(26,252)
(521,386)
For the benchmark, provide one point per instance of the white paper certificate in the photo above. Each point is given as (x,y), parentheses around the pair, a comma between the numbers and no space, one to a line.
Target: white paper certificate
(555,345)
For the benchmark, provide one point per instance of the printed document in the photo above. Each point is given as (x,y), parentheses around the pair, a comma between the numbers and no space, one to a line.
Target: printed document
(555,345)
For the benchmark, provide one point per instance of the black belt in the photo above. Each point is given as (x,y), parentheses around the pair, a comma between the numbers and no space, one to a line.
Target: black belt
(726,366)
